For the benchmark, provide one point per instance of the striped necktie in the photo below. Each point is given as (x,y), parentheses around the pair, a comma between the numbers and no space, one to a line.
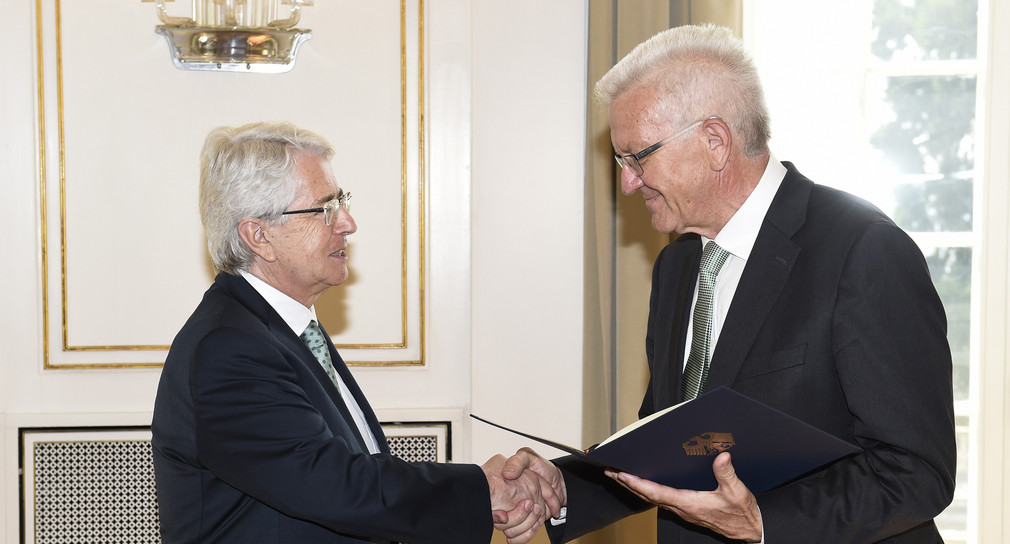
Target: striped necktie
(696,371)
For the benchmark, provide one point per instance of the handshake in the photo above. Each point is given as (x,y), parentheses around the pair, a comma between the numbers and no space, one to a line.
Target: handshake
(526,489)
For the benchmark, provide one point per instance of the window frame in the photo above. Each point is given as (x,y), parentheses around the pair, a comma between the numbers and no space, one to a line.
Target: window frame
(988,402)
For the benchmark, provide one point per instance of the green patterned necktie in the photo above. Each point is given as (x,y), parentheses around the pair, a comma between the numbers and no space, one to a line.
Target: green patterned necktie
(696,371)
(313,338)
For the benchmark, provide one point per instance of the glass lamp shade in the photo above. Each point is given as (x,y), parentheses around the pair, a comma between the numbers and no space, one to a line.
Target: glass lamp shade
(234,35)
(233,49)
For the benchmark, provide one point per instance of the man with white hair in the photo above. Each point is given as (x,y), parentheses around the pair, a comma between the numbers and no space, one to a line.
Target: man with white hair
(260,433)
(804,297)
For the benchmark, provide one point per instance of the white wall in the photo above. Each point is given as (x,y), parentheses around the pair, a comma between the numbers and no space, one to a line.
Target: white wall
(505,108)
(528,174)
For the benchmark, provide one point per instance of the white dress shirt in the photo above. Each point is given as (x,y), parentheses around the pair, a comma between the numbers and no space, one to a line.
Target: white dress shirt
(298,318)
(738,237)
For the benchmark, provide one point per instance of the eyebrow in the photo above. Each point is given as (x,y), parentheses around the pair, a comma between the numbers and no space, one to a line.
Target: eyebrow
(329,197)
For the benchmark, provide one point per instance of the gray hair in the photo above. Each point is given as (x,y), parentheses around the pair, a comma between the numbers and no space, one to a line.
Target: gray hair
(249,171)
(703,71)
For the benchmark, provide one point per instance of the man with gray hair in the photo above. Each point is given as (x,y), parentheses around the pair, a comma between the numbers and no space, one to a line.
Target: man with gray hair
(813,302)
(260,433)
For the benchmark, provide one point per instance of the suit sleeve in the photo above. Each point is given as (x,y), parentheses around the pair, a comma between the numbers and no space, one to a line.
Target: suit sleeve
(258,432)
(594,500)
(894,366)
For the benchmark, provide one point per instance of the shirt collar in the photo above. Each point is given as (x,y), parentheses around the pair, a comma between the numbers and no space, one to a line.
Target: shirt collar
(291,311)
(740,233)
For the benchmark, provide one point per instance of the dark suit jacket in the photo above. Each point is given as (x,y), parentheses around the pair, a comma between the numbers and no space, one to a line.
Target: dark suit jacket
(836,322)
(252,444)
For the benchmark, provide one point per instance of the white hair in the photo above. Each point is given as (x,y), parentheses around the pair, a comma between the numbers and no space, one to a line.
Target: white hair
(249,171)
(702,71)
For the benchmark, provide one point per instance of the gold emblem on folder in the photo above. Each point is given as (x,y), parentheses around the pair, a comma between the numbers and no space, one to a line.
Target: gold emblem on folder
(709,444)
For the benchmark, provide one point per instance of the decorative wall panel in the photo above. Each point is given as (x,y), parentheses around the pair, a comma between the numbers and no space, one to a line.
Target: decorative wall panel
(120,129)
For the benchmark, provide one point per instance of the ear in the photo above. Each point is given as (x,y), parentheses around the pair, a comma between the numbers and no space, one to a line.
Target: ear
(254,233)
(720,143)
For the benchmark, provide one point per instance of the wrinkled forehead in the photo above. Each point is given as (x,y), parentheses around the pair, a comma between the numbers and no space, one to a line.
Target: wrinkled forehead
(639,115)
(316,179)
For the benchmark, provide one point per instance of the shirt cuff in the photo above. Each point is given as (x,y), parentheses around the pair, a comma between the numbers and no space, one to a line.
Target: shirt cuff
(560,520)
(762,541)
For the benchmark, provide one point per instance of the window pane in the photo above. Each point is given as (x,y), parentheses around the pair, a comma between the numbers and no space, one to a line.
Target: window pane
(950,268)
(894,85)
(925,29)
(953,522)
(925,134)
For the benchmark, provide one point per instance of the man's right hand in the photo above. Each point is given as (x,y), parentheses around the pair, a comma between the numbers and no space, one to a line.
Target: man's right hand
(519,506)
(524,464)
(550,476)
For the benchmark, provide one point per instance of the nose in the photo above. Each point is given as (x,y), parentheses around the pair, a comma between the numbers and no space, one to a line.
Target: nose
(630,182)
(344,224)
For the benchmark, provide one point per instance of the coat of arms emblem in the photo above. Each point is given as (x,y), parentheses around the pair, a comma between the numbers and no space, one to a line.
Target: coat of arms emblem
(709,444)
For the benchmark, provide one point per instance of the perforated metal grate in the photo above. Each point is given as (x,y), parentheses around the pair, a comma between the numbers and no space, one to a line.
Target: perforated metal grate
(414,448)
(95,492)
(91,491)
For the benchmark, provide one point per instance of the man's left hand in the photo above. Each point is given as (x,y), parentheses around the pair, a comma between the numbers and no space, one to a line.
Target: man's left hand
(731,510)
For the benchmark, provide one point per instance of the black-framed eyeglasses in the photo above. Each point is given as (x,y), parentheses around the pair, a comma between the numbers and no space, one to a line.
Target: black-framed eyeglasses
(329,210)
(633,161)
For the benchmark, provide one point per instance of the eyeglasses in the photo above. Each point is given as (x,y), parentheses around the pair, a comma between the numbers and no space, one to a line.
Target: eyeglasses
(633,161)
(329,210)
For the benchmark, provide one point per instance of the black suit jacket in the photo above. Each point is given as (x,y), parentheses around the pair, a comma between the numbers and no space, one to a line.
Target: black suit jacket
(252,444)
(836,322)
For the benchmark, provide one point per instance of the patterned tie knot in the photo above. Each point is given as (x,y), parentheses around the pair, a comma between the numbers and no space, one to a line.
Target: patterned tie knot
(315,340)
(712,258)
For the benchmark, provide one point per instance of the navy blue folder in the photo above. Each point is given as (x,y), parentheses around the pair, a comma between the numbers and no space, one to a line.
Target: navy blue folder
(676,447)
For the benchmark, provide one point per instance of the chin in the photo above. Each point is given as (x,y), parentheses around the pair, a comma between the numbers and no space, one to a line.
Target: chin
(338,279)
(663,228)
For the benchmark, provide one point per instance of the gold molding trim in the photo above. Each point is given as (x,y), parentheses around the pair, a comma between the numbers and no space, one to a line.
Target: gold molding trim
(43,189)
(403,191)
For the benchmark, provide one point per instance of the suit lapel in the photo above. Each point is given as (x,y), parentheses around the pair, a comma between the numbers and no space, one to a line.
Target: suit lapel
(763,279)
(686,282)
(248,297)
(765,275)
(283,332)
(359,396)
